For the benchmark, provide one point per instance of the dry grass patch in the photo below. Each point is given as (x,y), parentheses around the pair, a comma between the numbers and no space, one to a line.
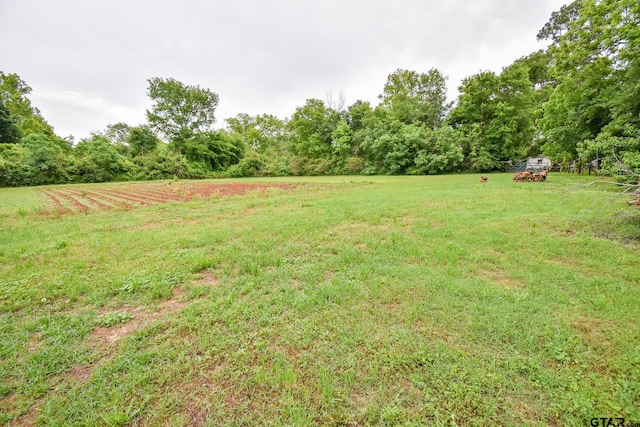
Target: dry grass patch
(501,279)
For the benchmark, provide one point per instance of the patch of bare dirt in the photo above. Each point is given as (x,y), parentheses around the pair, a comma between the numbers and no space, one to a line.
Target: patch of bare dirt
(34,342)
(148,226)
(500,279)
(208,279)
(595,331)
(104,197)
(103,337)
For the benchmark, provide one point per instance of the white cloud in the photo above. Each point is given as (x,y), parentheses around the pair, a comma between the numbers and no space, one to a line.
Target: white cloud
(260,56)
(93,111)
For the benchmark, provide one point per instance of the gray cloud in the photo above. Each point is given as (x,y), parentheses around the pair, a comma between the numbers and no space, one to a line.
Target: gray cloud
(88,62)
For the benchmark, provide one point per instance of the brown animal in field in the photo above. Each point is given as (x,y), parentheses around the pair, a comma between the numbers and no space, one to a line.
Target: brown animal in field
(483,178)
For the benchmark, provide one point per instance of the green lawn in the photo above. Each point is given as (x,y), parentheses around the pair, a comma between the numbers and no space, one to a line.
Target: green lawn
(341,301)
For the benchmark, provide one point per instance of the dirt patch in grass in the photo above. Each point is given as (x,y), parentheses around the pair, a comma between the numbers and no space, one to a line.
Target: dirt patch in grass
(148,226)
(207,279)
(34,342)
(28,419)
(135,318)
(71,199)
(595,331)
(500,278)
(102,336)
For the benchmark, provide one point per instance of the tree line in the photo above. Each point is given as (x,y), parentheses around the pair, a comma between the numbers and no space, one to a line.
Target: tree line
(577,99)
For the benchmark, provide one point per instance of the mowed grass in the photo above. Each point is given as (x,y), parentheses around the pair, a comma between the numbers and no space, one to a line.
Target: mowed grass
(341,301)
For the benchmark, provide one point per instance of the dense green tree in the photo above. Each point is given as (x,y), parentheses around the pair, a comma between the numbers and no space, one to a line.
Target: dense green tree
(311,130)
(341,141)
(595,109)
(357,115)
(185,116)
(419,98)
(265,138)
(360,117)
(117,134)
(538,65)
(13,93)
(9,131)
(179,111)
(214,150)
(245,127)
(141,140)
(440,152)
(577,110)
(393,147)
(560,22)
(161,163)
(48,159)
(14,167)
(390,146)
(262,133)
(97,160)
(495,117)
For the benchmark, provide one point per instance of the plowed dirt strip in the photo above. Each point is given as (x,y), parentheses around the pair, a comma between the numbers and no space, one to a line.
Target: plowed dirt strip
(59,206)
(140,196)
(110,200)
(162,194)
(100,197)
(85,195)
(175,194)
(77,205)
(127,196)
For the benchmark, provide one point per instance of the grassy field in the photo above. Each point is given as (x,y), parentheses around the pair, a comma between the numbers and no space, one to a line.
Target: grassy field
(335,301)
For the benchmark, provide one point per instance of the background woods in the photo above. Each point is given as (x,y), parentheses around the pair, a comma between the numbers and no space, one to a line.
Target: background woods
(578,99)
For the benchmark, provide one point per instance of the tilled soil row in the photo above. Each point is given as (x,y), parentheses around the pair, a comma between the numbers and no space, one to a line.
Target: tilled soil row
(70,200)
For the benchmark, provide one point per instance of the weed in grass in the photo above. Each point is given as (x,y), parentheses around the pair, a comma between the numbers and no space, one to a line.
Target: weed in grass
(114,318)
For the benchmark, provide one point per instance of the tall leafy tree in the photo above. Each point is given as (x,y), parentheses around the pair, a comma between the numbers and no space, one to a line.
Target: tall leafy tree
(595,109)
(495,116)
(117,134)
(259,133)
(213,150)
(560,22)
(9,131)
(538,65)
(48,159)
(185,115)
(179,111)
(141,140)
(13,93)
(14,167)
(416,98)
(311,128)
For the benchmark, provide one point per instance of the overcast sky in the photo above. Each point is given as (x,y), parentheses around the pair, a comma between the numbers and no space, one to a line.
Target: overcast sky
(88,61)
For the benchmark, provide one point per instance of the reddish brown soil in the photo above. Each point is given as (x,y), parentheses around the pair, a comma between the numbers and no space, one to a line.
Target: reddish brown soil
(77,205)
(143,194)
(101,205)
(110,200)
(56,203)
